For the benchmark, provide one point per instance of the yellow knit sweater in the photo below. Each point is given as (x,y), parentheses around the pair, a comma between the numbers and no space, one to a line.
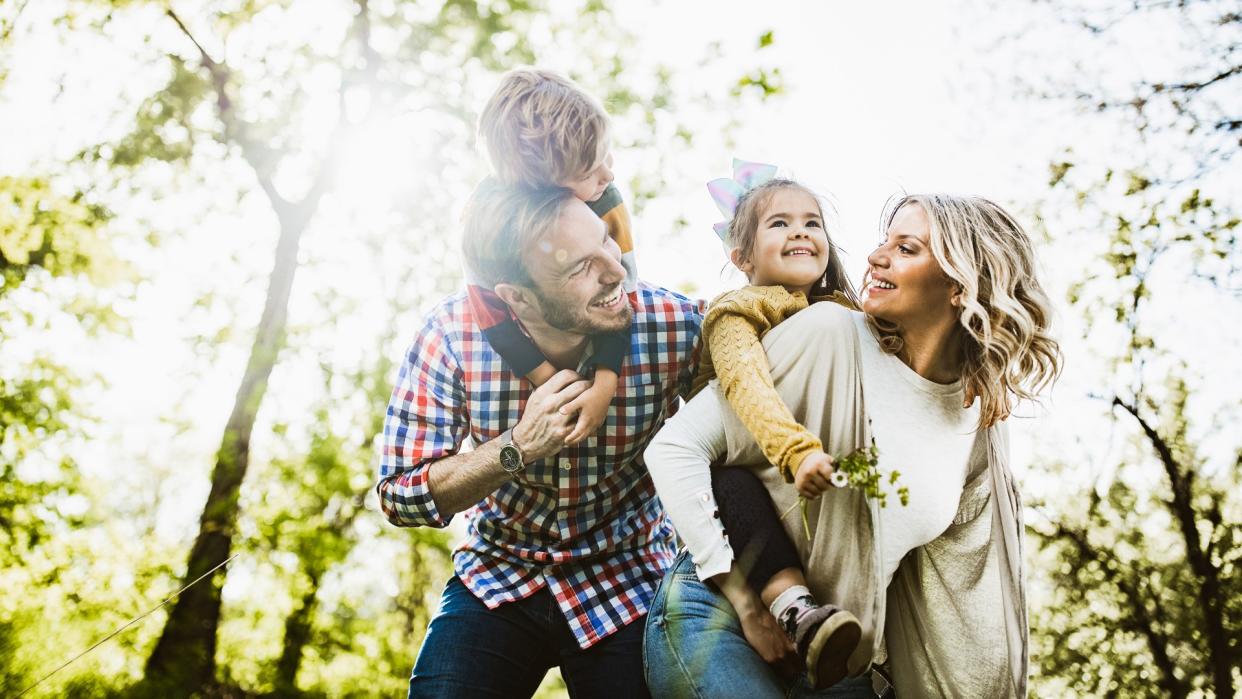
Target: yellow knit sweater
(735,323)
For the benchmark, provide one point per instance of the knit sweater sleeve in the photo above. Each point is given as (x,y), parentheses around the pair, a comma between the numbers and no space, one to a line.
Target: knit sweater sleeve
(734,326)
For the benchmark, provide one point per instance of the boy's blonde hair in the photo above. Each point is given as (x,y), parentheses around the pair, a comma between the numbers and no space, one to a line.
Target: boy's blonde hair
(541,129)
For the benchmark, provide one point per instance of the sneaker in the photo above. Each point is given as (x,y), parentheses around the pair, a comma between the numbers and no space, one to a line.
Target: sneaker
(825,637)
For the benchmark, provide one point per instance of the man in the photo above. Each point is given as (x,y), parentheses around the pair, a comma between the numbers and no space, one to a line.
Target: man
(567,542)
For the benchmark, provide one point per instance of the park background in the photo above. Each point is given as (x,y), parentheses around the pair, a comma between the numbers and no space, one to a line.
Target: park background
(221,221)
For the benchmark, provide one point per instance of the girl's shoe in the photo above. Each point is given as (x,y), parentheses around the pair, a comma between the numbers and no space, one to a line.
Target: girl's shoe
(825,637)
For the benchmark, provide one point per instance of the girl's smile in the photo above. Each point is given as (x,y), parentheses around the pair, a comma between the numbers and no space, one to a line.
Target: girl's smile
(791,246)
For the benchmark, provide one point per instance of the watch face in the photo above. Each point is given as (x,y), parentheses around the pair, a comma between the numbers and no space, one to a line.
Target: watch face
(510,459)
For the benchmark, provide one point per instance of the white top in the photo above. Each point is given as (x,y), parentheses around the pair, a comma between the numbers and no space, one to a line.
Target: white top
(919,426)
(925,435)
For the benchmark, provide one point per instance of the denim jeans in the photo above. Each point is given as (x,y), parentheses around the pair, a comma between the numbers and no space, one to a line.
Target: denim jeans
(473,651)
(694,647)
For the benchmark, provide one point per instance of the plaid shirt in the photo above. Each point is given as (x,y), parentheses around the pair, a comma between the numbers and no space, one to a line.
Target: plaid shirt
(585,522)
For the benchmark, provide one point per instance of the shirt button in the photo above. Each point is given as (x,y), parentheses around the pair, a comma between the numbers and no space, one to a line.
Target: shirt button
(706,497)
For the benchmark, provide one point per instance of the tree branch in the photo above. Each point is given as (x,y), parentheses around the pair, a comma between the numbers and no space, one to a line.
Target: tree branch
(12,24)
(1140,622)
(236,130)
(1182,480)
(1197,85)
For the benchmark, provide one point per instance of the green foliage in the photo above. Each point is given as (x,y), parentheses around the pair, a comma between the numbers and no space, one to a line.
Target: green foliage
(862,468)
(1143,567)
(767,83)
(1127,606)
(163,127)
(41,229)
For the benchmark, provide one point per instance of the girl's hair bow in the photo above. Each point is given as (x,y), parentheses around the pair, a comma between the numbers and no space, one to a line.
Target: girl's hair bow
(727,192)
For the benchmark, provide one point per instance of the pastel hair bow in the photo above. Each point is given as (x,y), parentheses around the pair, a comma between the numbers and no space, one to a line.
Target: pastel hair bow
(727,192)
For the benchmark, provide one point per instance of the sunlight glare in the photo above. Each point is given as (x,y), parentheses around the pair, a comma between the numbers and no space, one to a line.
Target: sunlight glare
(380,156)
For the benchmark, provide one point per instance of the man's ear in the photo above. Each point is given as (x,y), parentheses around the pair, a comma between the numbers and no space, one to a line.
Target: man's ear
(517,297)
(735,256)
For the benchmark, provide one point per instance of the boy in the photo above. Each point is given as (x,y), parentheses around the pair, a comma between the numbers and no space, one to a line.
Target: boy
(541,130)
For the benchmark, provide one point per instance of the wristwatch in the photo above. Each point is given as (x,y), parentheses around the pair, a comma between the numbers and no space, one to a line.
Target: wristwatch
(510,455)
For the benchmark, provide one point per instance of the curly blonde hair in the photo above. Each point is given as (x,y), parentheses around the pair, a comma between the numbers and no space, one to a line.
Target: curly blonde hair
(1008,353)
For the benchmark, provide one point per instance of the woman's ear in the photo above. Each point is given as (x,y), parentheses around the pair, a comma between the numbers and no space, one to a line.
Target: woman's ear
(735,256)
(956,298)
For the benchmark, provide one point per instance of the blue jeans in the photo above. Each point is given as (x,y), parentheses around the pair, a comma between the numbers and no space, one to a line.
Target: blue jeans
(694,647)
(473,651)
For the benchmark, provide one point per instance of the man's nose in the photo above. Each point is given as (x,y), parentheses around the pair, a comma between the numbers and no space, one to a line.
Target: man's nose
(612,270)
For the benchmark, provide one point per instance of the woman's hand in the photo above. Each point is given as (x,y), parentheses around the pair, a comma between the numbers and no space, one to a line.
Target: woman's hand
(760,628)
(764,634)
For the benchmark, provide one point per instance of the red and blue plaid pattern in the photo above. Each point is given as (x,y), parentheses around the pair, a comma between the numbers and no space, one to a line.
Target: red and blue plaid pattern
(585,522)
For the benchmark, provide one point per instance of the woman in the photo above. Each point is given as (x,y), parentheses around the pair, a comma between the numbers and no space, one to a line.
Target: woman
(951,308)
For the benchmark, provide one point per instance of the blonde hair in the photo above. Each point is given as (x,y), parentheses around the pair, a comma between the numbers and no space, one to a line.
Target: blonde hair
(541,129)
(1005,316)
(744,228)
(502,224)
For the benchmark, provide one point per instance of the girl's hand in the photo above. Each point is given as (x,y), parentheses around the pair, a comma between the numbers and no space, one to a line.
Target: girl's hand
(591,406)
(814,476)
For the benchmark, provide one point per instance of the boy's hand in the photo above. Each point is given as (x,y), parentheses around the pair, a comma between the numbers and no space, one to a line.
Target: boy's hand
(814,476)
(591,406)
(543,426)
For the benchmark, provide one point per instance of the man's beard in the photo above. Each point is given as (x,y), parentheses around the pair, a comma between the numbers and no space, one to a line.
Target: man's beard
(566,318)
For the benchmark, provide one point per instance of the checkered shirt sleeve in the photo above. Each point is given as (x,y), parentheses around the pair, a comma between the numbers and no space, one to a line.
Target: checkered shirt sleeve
(426,420)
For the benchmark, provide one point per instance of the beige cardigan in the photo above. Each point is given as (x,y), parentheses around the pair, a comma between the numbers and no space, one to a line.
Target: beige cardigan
(954,616)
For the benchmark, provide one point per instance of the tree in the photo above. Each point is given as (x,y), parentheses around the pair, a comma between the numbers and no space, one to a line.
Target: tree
(56,266)
(1144,562)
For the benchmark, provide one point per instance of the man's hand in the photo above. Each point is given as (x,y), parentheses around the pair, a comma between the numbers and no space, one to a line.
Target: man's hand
(814,475)
(541,431)
(591,406)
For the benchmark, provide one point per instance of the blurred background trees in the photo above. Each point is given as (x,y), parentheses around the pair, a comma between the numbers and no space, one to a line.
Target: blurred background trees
(247,204)
(1143,560)
(285,181)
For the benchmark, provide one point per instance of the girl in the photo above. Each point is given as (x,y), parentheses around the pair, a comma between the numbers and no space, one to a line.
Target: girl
(776,236)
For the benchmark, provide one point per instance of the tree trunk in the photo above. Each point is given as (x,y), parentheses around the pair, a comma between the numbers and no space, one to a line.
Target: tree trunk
(297,635)
(184,656)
